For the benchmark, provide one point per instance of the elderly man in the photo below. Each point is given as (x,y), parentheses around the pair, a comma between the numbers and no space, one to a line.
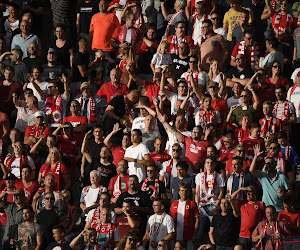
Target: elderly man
(22,41)
(92,106)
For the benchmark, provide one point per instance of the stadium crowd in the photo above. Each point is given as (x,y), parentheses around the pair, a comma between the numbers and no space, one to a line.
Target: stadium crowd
(149,124)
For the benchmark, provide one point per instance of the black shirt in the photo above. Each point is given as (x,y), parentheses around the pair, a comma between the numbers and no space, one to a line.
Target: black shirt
(246,73)
(151,187)
(30,62)
(86,11)
(63,54)
(107,172)
(141,199)
(83,60)
(226,229)
(180,65)
(62,246)
(57,69)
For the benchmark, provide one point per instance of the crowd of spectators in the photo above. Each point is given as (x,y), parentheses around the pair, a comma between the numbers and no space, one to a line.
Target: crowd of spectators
(149,124)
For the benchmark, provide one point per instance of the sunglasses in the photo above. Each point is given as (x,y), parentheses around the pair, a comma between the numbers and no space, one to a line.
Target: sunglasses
(74,104)
(268,163)
(214,18)
(49,198)
(241,151)
(244,95)
(17,146)
(192,61)
(276,66)
(150,171)
(28,93)
(132,239)
(272,148)
(51,87)
(83,89)
(160,245)
(176,150)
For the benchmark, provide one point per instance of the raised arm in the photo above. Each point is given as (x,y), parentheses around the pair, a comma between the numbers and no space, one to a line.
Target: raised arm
(255,97)
(107,140)
(257,153)
(84,151)
(269,6)
(66,83)
(162,83)
(164,9)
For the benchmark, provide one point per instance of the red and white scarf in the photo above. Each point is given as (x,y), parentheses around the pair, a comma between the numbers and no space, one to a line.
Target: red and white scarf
(268,125)
(280,167)
(122,35)
(170,21)
(92,110)
(285,111)
(169,174)
(277,24)
(291,93)
(263,231)
(56,173)
(241,184)
(206,117)
(204,188)
(287,154)
(195,76)
(254,52)
(11,159)
(205,37)
(243,134)
(117,187)
(110,230)
(54,109)
(156,187)
(154,229)
(175,42)
(273,4)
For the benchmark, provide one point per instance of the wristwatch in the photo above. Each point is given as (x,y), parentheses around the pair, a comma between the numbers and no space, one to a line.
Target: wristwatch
(135,160)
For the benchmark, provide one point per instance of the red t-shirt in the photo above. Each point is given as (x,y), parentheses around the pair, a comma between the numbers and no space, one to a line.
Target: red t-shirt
(283,24)
(123,183)
(194,152)
(226,153)
(76,121)
(118,153)
(249,144)
(152,89)
(246,166)
(6,98)
(282,81)
(290,218)
(108,91)
(29,192)
(251,215)
(123,224)
(69,147)
(161,157)
(37,131)
(4,121)
(239,133)
(220,105)
(58,176)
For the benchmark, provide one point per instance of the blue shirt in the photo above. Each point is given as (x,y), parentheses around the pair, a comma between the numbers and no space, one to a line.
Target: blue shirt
(18,42)
(293,159)
(270,188)
(248,181)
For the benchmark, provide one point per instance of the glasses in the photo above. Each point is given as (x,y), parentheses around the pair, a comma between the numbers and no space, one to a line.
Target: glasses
(212,87)
(241,151)
(17,146)
(192,61)
(132,239)
(28,93)
(74,104)
(196,130)
(83,89)
(214,18)
(275,66)
(150,171)
(49,198)
(51,87)
(244,95)
(176,150)
(272,148)
(249,39)
(182,86)
(226,141)
(160,245)
(268,163)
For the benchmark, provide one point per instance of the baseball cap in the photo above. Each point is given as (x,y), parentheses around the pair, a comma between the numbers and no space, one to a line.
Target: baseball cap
(10,176)
(212,84)
(51,50)
(39,114)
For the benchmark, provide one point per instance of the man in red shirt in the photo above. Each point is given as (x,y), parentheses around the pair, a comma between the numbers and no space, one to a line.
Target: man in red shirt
(251,213)
(35,132)
(113,88)
(227,149)
(195,147)
(159,154)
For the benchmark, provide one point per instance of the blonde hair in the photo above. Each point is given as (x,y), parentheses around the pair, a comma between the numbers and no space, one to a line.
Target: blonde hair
(99,52)
(164,42)
(128,51)
(210,71)
(48,161)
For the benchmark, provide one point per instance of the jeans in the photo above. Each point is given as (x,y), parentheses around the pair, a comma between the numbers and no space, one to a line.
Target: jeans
(204,219)
(248,243)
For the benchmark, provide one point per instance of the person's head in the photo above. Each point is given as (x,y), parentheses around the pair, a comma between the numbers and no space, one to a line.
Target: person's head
(126,140)
(184,190)
(92,235)
(151,33)
(211,150)
(158,206)
(136,136)
(49,200)
(255,130)
(193,62)
(128,241)
(280,92)
(19,148)
(28,213)
(213,67)
(251,193)
(207,27)
(180,122)
(182,168)
(75,107)
(14,135)
(268,108)
(86,89)
(33,49)
(213,88)
(127,206)
(244,17)
(245,121)
(133,182)
(215,18)
(235,4)
(149,121)
(10,180)
(39,118)
(180,245)
(26,172)
(159,144)
(66,195)
(151,171)
(16,55)
(196,133)
(59,233)
(60,31)
(127,54)
(163,245)
(248,38)
(104,152)
(224,205)
(122,166)
(200,8)
(130,19)
(228,140)
(240,60)
(207,101)
(36,72)
(83,46)
(239,151)
(297,79)
(270,164)
(30,100)
(282,138)
(134,96)
(25,27)
(179,4)
(105,215)
(275,69)
(274,148)
(103,5)
(164,47)
(94,177)
(98,131)
(104,199)
(210,163)
(12,11)
(180,28)
(19,196)
(270,213)
(288,204)
(49,180)
(28,18)
(284,5)
(237,164)
(176,151)
(245,96)
(50,141)
(51,56)
(53,88)
(271,43)
(54,155)
(9,73)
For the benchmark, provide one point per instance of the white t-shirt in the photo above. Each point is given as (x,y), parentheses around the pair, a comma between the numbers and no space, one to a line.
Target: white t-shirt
(138,153)
(175,97)
(231,102)
(180,220)
(220,183)
(161,59)
(172,139)
(139,123)
(293,76)
(280,109)
(15,166)
(201,78)
(221,31)
(295,99)
(91,197)
(44,87)
(159,227)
